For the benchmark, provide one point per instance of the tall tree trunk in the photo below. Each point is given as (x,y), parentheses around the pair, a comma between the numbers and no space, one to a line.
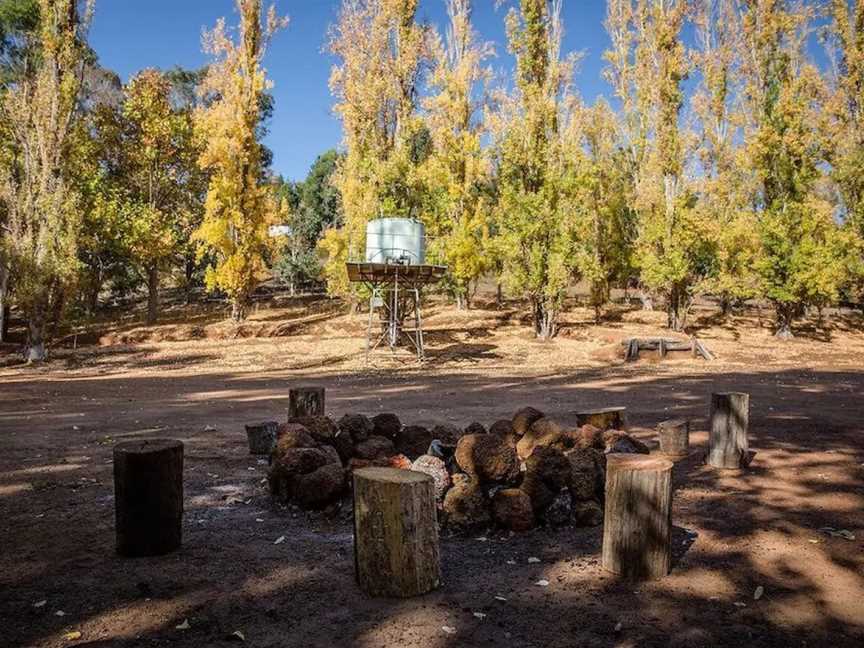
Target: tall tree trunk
(545,319)
(4,305)
(673,309)
(36,338)
(238,309)
(785,315)
(461,300)
(152,294)
(189,271)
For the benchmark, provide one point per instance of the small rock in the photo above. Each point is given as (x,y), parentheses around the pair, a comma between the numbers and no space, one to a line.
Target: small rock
(523,419)
(375,447)
(487,457)
(475,428)
(435,468)
(357,426)
(758,593)
(413,440)
(386,425)
(465,505)
(511,508)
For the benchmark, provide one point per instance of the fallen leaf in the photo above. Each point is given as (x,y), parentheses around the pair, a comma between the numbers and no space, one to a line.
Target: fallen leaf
(60,613)
(739,604)
(72,636)
(182,626)
(479,615)
(758,593)
(542,583)
(239,636)
(618,626)
(500,598)
(511,562)
(532,559)
(279,540)
(448,629)
(39,604)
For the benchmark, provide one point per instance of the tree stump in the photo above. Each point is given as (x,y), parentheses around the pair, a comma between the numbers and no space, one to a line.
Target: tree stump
(148,496)
(262,437)
(607,418)
(637,525)
(305,401)
(730,421)
(674,437)
(395,532)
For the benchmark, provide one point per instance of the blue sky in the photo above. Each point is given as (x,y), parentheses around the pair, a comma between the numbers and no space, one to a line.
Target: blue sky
(129,35)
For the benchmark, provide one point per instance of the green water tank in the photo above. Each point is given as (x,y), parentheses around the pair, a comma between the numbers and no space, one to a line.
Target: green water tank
(395,240)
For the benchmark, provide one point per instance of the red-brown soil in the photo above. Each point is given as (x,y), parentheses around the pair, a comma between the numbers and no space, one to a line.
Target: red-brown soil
(735,531)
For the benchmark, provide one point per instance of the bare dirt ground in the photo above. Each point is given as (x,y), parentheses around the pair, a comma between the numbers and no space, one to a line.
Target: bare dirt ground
(200,381)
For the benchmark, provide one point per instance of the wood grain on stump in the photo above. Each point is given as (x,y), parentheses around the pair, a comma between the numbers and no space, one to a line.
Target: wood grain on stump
(674,437)
(305,401)
(607,418)
(637,523)
(395,532)
(730,421)
(148,496)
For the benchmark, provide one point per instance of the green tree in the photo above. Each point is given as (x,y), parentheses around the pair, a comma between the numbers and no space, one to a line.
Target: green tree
(536,177)
(40,199)
(458,171)
(804,258)
(379,49)
(239,206)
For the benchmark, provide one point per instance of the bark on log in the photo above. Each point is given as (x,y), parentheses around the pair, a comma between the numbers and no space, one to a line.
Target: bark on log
(674,437)
(730,421)
(637,523)
(148,496)
(395,532)
(262,437)
(607,418)
(305,401)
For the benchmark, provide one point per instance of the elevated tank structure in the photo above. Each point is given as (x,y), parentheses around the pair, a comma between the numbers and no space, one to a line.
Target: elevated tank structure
(395,271)
(396,240)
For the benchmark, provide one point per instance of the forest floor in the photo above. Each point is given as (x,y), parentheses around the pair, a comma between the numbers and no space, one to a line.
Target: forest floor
(200,380)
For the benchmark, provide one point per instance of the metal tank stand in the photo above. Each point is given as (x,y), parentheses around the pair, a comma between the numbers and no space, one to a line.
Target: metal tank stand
(395,300)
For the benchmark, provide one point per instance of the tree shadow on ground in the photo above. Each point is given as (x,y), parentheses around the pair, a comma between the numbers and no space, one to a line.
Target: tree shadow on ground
(738,530)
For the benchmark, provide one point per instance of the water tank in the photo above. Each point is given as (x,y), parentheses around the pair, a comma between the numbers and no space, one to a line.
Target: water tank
(395,240)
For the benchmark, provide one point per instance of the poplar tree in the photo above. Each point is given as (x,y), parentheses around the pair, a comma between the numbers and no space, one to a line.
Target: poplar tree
(846,138)
(240,205)
(722,184)
(535,210)
(458,171)
(671,251)
(380,49)
(39,198)
(803,260)
(606,228)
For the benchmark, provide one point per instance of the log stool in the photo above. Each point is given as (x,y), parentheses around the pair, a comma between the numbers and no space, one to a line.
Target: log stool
(674,437)
(607,418)
(305,401)
(730,421)
(148,496)
(262,437)
(637,526)
(395,532)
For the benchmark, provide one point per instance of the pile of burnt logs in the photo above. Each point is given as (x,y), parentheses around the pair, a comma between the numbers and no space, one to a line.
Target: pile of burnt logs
(516,474)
